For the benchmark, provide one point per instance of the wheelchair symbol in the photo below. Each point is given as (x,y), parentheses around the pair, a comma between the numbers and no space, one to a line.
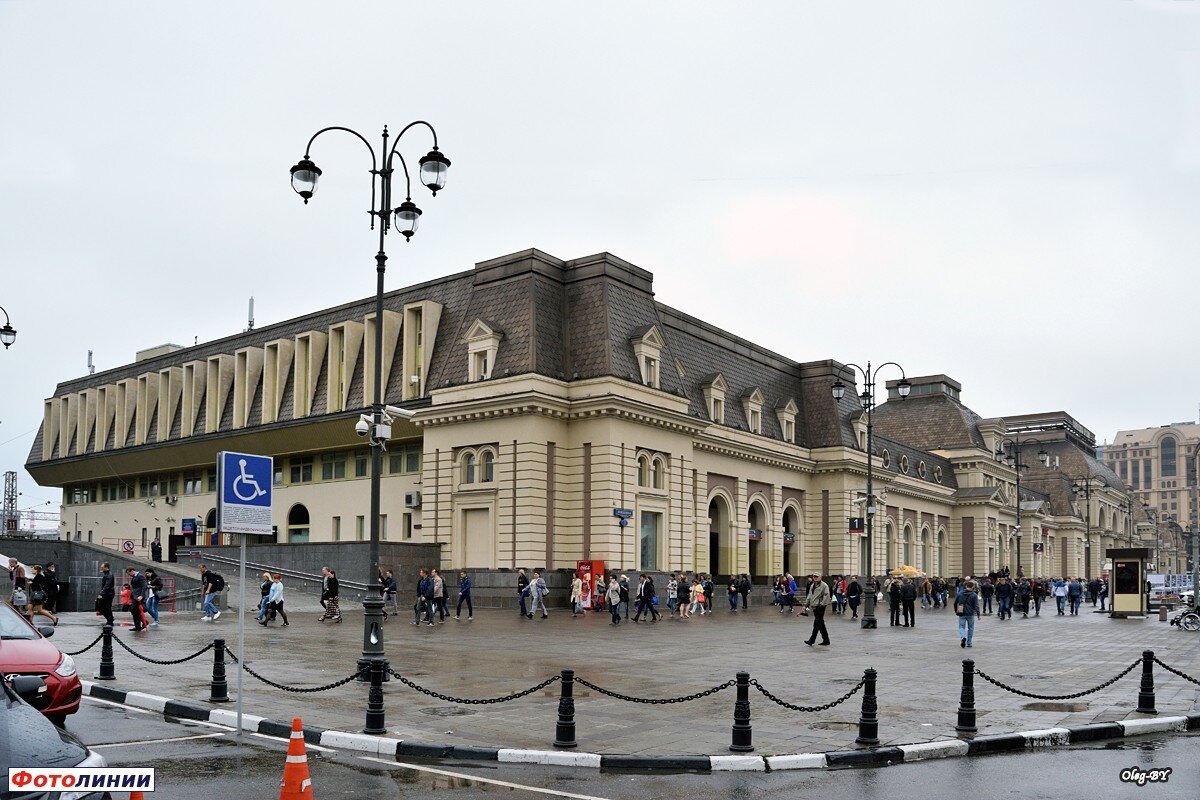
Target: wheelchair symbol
(248,481)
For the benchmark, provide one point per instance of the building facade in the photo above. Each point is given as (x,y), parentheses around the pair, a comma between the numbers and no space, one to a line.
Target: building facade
(562,413)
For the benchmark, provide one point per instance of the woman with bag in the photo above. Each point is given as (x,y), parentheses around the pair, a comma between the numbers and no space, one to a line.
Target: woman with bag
(38,594)
(576,596)
(154,585)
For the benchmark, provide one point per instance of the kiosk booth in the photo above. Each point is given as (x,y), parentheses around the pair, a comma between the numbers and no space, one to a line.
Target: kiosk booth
(1127,581)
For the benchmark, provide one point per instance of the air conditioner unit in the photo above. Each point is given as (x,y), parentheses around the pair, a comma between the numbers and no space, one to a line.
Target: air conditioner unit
(412,499)
(172,499)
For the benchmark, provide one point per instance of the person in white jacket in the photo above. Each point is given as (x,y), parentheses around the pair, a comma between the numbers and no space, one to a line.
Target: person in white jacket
(275,601)
(537,595)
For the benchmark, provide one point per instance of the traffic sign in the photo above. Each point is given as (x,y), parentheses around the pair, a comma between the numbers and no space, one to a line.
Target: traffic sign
(127,546)
(244,499)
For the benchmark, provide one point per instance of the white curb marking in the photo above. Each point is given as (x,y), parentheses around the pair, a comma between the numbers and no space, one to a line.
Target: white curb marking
(798,761)
(549,758)
(1048,737)
(738,764)
(1136,727)
(150,701)
(949,748)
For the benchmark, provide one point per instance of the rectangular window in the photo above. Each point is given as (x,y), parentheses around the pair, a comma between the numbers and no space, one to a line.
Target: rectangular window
(412,458)
(278,479)
(408,528)
(1125,471)
(333,466)
(755,421)
(171,487)
(143,487)
(143,537)
(211,474)
(1147,474)
(789,431)
(1136,475)
(648,540)
(359,524)
(395,463)
(718,410)
(382,526)
(336,527)
(362,464)
(301,469)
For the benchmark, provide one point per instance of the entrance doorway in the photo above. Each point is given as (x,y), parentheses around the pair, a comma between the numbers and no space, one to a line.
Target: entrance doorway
(758,522)
(791,549)
(722,556)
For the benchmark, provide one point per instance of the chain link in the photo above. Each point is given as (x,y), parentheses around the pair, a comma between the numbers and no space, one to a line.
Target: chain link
(809,709)
(136,654)
(297,689)
(470,701)
(1174,671)
(655,701)
(84,650)
(1084,693)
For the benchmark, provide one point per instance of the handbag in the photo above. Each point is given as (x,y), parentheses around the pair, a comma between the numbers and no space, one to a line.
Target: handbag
(653,599)
(38,596)
(19,598)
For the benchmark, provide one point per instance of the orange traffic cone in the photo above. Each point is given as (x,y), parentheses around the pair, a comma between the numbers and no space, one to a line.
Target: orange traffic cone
(296,784)
(136,796)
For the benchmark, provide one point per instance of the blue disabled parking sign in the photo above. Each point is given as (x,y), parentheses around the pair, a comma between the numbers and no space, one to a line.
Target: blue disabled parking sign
(244,502)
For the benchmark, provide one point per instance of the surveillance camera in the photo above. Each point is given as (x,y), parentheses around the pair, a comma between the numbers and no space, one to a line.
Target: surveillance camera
(361,427)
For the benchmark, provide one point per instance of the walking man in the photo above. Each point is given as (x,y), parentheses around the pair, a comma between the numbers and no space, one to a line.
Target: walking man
(645,599)
(439,596)
(987,591)
(137,598)
(1004,598)
(154,585)
(210,583)
(817,601)
(854,595)
(108,591)
(908,598)
(522,591)
(464,596)
(966,606)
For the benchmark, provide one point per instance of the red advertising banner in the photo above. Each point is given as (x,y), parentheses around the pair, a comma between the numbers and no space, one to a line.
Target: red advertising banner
(590,572)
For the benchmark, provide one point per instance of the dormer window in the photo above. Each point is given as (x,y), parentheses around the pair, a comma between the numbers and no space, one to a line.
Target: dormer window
(714,397)
(786,412)
(648,344)
(752,403)
(483,342)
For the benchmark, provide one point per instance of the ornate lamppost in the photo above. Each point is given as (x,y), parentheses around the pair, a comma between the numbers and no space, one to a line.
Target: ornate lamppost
(867,399)
(1008,452)
(404,216)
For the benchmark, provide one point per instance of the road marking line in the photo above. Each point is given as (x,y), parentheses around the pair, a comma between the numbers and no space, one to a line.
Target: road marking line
(493,781)
(118,705)
(158,741)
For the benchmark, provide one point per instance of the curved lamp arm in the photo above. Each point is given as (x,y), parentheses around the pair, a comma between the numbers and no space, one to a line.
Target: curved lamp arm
(394,153)
(370,149)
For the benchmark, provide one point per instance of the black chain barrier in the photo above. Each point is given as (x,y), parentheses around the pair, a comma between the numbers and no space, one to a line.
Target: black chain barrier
(95,642)
(472,701)
(169,662)
(298,689)
(809,709)
(1158,661)
(1084,693)
(656,701)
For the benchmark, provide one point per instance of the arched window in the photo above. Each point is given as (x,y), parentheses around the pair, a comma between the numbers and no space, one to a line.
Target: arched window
(889,546)
(487,463)
(941,553)
(297,524)
(644,471)
(468,468)
(1167,457)
(658,470)
(926,552)
(906,537)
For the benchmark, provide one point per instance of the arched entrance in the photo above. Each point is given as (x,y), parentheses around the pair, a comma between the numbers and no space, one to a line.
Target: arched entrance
(210,528)
(791,541)
(722,557)
(926,553)
(297,524)
(758,523)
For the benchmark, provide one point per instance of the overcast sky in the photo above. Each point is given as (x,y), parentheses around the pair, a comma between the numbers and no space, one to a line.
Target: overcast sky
(1002,191)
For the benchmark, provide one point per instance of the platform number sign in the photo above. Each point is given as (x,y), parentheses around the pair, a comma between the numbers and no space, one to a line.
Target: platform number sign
(244,499)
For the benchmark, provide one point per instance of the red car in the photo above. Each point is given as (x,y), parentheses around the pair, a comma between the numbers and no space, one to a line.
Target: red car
(24,650)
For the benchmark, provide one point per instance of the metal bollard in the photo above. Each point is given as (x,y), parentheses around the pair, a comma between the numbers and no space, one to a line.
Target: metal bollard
(1146,690)
(742,733)
(219,692)
(564,731)
(868,721)
(966,700)
(375,713)
(107,665)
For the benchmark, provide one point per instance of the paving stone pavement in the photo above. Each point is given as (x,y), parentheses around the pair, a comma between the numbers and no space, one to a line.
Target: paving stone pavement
(919,669)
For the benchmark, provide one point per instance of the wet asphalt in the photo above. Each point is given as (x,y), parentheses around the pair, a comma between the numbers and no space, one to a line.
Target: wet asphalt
(196,761)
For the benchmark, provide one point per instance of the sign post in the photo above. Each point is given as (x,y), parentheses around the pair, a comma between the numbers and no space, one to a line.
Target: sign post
(243,507)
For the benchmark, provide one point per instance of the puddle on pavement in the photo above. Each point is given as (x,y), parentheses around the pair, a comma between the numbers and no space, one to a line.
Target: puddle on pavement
(834,726)
(1054,706)
(1137,744)
(447,711)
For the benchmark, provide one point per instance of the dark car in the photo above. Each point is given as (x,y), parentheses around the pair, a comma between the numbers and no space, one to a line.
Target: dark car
(28,739)
(24,650)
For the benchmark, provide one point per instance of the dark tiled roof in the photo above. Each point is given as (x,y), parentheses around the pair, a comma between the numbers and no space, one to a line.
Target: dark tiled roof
(931,422)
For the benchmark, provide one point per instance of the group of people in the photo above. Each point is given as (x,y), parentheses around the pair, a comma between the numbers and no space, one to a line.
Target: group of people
(36,594)
(139,596)
(432,597)
(1022,593)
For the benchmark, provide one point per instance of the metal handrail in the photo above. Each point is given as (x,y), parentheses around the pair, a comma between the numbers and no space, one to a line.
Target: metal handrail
(287,573)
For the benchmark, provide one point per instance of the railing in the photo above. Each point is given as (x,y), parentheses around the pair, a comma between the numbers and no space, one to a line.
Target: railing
(290,574)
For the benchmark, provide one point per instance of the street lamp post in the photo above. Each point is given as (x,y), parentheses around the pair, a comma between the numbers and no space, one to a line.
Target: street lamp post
(867,398)
(1008,452)
(405,216)
(1084,485)
(8,334)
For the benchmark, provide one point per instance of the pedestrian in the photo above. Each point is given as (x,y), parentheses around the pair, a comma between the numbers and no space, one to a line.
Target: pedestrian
(839,594)
(672,592)
(744,587)
(51,572)
(439,596)
(698,598)
(275,601)
(156,550)
(137,598)
(1004,598)
(894,601)
(853,595)
(154,587)
(733,594)
(1102,594)
(522,590)
(966,607)
(987,590)
(908,597)
(264,589)
(789,593)
(623,583)
(1022,591)
(104,600)
(576,598)
(17,584)
(210,585)
(464,596)
(647,599)
(614,599)
(537,594)
(329,597)
(683,595)
(710,588)
(1075,595)
(421,607)
(817,600)
(390,589)
(38,594)
(1060,595)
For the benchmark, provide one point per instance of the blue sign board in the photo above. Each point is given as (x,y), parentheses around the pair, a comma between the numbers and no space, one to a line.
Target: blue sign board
(623,513)
(244,496)
(187,525)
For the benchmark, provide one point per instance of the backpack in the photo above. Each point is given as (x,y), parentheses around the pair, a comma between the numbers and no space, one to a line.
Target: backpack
(218,582)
